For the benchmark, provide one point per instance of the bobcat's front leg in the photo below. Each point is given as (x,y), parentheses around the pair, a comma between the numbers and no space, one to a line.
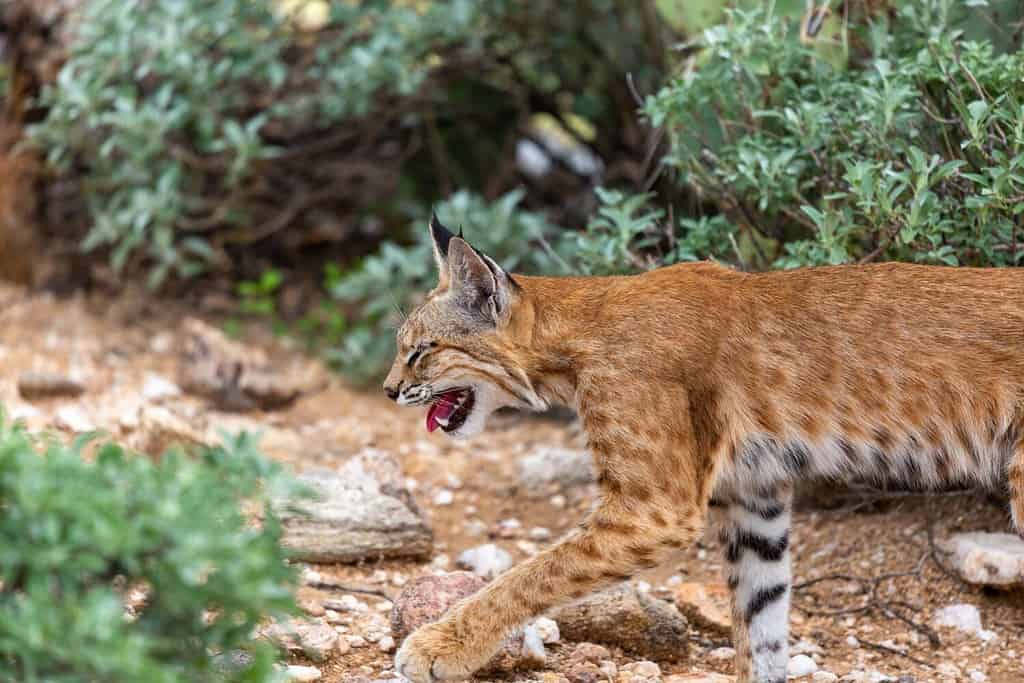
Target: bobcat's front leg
(621,537)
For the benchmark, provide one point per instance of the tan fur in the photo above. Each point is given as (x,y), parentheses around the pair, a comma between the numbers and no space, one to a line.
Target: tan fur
(674,370)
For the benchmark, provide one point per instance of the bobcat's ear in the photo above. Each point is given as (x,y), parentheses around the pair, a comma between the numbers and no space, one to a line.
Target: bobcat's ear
(440,237)
(479,286)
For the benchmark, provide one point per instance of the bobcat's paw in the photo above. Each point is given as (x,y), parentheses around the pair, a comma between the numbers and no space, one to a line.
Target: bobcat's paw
(435,653)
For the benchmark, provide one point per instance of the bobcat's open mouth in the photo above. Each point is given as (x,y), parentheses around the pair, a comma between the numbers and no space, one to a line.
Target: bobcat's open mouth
(450,410)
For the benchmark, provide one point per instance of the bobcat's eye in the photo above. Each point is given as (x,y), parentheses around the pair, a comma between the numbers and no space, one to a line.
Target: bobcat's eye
(415,355)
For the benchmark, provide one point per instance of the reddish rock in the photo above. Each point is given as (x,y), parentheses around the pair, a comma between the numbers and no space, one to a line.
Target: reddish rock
(427,598)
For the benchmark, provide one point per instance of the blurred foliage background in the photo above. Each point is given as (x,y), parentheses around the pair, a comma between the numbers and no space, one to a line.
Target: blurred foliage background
(290,151)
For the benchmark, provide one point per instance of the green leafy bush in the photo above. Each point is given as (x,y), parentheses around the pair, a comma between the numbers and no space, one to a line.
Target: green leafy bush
(911,148)
(181,110)
(77,537)
(199,127)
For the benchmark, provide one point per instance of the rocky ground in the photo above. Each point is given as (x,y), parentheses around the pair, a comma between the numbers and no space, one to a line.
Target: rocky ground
(405,511)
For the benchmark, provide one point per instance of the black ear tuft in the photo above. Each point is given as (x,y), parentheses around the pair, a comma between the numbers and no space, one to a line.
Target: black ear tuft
(441,236)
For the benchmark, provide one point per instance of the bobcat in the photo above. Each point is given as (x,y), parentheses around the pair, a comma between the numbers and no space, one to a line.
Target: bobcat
(695,382)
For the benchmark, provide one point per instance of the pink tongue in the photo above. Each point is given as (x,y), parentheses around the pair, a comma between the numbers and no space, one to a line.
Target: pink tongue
(442,409)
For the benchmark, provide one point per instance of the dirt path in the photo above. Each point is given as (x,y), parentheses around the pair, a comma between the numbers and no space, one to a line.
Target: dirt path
(117,348)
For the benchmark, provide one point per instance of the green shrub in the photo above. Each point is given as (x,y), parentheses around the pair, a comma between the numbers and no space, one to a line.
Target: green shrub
(912,148)
(199,127)
(76,537)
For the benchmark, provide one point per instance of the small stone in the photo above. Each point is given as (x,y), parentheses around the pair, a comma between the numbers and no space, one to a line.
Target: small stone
(347,603)
(722,653)
(608,669)
(444,497)
(824,677)
(548,467)
(589,652)
(701,678)
(486,561)
(558,501)
(962,617)
(343,647)
(302,673)
(548,630)
(73,419)
(427,598)
(801,665)
(989,559)
(852,642)
(157,388)
(509,528)
(539,534)
(34,386)
(642,668)
(356,641)
(160,429)
(806,647)
(384,606)
(948,669)
(317,641)
(552,677)
(386,644)
(474,527)
(706,605)
(584,672)
(313,609)
(977,676)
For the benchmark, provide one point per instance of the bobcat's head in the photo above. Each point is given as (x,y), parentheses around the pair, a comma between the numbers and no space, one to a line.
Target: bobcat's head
(458,352)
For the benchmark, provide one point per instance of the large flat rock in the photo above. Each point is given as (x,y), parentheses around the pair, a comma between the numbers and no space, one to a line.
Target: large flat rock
(627,618)
(362,512)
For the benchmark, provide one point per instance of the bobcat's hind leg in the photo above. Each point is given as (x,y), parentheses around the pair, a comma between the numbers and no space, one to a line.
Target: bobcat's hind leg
(756,536)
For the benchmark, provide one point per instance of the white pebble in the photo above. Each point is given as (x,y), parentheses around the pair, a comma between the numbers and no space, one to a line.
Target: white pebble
(386,644)
(444,497)
(157,388)
(852,642)
(539,533)
(73,419)
(722,653)
(533,645)
(356,641)
(302,673)
(978,676)
(548,630)
(800,666)
(824,677)
(486,561)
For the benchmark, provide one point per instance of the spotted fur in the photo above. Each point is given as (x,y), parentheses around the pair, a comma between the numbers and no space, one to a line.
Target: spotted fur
(696,382)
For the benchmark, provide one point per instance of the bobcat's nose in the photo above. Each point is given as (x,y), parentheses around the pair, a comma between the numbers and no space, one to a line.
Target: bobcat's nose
(392,391)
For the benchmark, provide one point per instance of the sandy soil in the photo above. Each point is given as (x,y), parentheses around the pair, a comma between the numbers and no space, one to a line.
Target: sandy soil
(112,346)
